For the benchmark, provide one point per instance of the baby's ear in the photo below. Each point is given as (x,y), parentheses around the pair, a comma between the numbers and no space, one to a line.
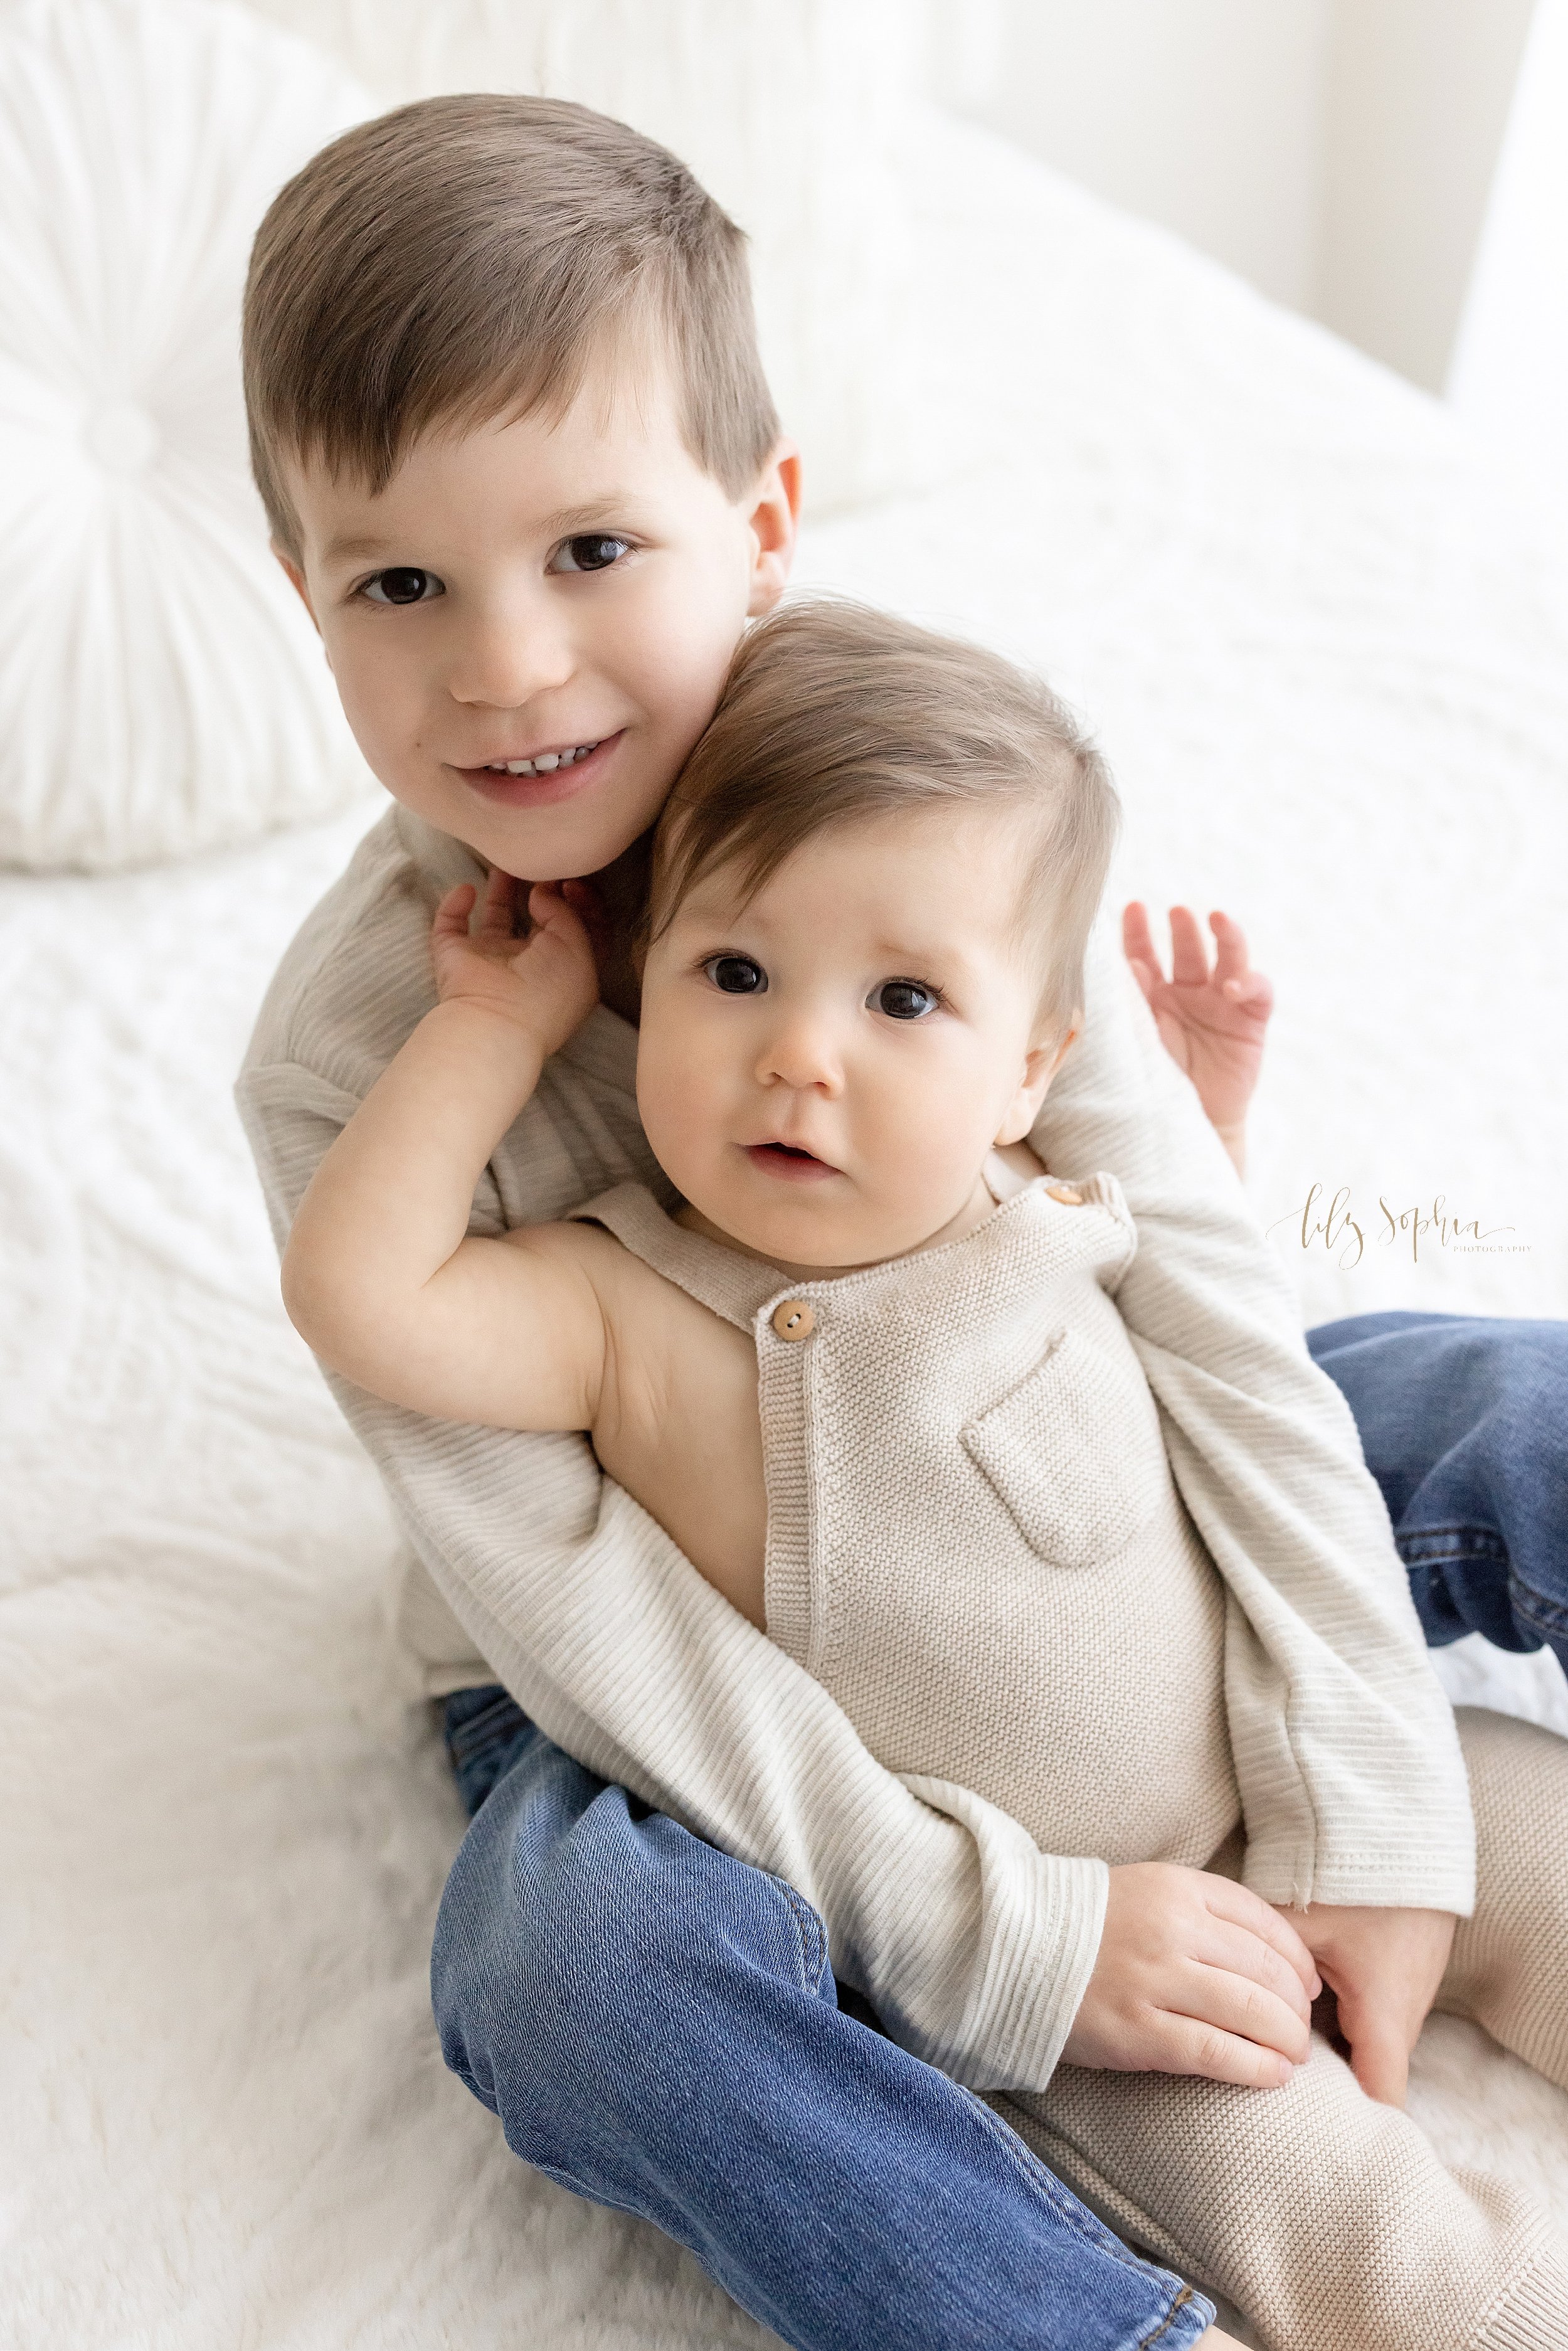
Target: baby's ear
(1041,1063)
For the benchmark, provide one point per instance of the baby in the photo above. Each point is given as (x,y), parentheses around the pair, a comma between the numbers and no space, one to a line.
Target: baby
(863,1362)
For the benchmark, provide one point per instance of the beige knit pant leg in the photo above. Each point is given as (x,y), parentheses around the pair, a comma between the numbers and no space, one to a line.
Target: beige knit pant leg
(1329,2219)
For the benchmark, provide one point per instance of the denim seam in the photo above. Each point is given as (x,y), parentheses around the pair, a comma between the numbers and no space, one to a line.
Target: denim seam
(1424,1545)
(465,1742)
(1067,2206)
(813,1937)
(1182,2302)
(1549,1615)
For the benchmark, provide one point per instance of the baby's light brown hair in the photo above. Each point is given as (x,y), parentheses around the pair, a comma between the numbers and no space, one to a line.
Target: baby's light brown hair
(833,711)
(468,259)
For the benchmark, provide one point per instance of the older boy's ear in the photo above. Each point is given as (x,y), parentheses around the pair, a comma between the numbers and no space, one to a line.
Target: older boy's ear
(775,511)
(296,581)
(1041,1063)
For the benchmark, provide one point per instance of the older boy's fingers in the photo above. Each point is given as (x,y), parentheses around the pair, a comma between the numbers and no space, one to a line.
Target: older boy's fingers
(451,915)
(1239,1904)
(1243,1953)
(1379,2047)
(1235,2003)
(1189,957)
(1186,2046)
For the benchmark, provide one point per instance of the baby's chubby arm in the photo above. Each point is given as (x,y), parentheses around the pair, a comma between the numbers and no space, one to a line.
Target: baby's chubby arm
(381,1276)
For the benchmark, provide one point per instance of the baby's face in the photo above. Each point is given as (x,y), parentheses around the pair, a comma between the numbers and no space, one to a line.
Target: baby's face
(822,1072)
(530,625)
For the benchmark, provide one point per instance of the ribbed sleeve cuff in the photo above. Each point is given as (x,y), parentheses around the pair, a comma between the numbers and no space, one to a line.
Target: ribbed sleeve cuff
(1041,1921)
(1435,1874)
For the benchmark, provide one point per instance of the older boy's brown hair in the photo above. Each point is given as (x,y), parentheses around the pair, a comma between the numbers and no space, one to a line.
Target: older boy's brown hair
(833,711)
(466,258)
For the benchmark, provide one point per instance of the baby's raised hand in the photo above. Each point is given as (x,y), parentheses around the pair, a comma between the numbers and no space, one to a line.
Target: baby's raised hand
(1194,1977)
(545,984)
(1211,1022)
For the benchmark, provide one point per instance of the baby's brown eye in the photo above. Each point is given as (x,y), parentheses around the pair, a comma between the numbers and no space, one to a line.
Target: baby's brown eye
(736,974)
(403,583)
(905,999)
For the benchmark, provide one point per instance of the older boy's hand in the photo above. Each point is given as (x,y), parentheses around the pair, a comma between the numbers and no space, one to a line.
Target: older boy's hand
(544,984)
(1195,1975)
(1384,1968)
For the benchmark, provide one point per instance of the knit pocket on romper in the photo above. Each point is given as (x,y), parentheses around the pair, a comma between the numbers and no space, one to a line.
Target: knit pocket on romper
(1074,1452)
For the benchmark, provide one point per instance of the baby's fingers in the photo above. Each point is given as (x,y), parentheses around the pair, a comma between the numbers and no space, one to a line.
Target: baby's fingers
(551,913)
(451,915)
(1190,955)
(1138,946)
(496,919)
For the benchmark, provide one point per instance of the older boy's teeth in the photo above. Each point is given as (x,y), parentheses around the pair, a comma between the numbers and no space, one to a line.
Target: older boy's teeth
(545,765)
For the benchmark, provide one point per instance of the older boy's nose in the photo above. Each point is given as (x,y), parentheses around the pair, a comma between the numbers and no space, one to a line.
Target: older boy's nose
(506,659)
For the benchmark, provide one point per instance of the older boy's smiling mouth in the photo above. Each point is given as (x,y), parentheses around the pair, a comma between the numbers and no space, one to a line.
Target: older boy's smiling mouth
(544,775)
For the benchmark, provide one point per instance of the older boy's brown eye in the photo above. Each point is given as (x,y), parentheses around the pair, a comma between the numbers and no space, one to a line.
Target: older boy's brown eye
(593,551)
(905,999)
(736,974)
(403,583)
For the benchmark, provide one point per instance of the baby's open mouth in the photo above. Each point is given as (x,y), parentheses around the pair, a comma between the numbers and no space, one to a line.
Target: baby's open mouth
(790,1161)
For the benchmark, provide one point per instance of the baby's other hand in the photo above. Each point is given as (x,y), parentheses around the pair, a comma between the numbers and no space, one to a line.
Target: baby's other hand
(544,984)
(1193,1977)
(1211,1023)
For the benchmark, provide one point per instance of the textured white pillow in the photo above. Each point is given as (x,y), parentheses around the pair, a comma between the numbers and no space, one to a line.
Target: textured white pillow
(160,690)
(789,111)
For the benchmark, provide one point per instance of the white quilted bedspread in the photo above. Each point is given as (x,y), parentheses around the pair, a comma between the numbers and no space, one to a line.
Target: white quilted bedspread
(1330,672)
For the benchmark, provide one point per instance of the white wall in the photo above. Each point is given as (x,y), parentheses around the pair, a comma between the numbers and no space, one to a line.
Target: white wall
(1203,114)
(1417,101)
(1336,153)
(1509,377)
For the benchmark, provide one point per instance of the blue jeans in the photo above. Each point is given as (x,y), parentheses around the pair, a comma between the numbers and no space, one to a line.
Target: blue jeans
(657,2024)
(1464,1423)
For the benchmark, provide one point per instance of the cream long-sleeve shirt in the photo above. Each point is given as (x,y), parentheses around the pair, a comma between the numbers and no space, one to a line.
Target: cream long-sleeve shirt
(974,1947)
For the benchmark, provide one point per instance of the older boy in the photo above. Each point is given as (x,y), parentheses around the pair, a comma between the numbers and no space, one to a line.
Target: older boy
(521,463)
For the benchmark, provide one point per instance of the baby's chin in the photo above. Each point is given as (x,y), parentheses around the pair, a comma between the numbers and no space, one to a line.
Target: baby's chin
(810,1235)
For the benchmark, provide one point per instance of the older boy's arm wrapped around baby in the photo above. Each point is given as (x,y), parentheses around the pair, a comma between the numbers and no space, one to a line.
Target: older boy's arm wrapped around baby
(1349,1767)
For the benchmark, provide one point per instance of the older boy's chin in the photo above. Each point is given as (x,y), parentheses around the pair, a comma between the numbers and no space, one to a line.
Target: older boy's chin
(553,843)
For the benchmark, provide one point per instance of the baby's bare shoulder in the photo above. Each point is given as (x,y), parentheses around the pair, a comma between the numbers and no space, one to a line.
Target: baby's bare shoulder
(634,1298)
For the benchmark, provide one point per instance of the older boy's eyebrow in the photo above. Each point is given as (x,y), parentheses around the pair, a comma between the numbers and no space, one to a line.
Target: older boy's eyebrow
(614,505)
(355,546)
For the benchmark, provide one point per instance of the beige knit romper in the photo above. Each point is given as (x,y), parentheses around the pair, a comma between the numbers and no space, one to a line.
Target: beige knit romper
(975,1543)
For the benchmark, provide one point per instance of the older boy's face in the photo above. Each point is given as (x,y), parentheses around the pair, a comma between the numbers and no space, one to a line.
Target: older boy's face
(530,625)
(822,1072)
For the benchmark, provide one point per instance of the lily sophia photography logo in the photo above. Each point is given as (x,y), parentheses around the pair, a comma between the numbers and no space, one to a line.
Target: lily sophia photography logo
(1335,1224)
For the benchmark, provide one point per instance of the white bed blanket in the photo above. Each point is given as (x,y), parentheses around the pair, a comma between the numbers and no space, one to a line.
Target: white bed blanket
(1331,677)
